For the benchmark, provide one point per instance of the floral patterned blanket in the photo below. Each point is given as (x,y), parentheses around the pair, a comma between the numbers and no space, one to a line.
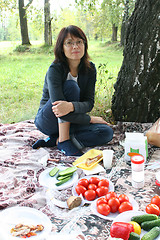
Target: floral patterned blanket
(20,167)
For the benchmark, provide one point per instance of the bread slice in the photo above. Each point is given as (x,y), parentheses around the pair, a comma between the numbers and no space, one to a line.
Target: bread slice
(74,201)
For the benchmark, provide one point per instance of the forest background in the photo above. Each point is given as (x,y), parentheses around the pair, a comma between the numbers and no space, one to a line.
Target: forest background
(23,66)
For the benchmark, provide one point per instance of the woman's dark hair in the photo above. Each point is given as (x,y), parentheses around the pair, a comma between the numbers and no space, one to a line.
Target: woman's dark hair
(58,50)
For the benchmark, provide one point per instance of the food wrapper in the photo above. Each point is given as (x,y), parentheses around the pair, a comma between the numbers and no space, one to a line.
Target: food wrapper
(80,162)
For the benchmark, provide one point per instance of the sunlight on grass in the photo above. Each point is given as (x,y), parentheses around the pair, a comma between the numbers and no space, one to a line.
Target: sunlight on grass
(22,77)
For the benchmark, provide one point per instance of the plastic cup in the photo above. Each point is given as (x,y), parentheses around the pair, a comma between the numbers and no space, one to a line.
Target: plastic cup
(107,158)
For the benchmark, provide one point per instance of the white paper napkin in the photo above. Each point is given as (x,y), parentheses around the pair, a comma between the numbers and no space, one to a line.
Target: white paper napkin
(97,169)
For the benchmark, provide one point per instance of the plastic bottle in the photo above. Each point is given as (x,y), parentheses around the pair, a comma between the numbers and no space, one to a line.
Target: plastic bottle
(137,165)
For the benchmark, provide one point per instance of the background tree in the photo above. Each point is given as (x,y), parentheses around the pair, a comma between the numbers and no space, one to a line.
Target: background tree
(110,17)
(47,23)
(6,7)
(114,11)
(137,90)
(23,21)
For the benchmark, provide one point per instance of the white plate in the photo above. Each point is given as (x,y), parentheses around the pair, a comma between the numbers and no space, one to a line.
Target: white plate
(111,186)
(126,217)
(112,216)
(25,215)
(49,182)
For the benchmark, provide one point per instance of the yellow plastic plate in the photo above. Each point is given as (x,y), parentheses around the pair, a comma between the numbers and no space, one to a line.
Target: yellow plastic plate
(90,154)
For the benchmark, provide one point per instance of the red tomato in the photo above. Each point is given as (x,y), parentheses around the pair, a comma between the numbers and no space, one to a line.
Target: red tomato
(84,182)
(94,180)
(103,182)
(103,209)
(90,195)
(114,204)
(152,209)
(125,206)
(110,195)
(123,198)
(156,200)
(102,191)
(80,189)
(92,186)
(101,200)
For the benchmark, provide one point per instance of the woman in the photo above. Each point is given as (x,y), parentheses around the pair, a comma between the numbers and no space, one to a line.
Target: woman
(68,95)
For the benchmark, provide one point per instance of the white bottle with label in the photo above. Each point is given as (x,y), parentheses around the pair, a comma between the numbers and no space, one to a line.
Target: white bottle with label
(135,143)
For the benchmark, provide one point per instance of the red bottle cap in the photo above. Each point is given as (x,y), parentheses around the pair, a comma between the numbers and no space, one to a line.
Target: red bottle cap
(137,159)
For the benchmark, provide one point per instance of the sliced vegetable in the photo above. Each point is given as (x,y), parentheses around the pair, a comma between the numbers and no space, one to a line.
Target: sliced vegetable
(152,234)
(53,171)
(65,176)
(67,171)
(148,225)
(63,181)
(121,230)
(144,217)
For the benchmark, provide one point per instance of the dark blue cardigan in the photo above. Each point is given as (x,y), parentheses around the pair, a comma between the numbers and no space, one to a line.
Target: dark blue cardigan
(53,89)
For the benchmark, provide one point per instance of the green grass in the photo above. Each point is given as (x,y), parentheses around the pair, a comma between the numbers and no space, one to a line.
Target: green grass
(22,76)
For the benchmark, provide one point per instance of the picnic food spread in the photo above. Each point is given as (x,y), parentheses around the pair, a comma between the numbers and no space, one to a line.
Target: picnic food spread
(21,173)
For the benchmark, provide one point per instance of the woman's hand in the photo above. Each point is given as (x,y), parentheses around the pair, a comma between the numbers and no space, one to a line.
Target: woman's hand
(61,108)
(100,120)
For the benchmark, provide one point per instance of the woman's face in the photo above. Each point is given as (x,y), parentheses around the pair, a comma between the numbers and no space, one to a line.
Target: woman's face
(73,48)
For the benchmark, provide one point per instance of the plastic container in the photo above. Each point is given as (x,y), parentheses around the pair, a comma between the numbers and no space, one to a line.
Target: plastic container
(137,165)
(135,143)
(107,158)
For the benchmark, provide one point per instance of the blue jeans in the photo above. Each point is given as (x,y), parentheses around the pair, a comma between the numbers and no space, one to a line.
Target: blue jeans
(81,135)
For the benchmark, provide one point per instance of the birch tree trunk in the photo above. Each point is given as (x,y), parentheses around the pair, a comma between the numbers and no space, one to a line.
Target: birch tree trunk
(137,90)
(47,24)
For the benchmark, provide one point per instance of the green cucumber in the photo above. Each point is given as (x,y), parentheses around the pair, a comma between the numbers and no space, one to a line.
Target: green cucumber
(53,171)
(63,177)
(63,181)
(144,217)
(134,236)
(67,171)
(148,225)
(152,234)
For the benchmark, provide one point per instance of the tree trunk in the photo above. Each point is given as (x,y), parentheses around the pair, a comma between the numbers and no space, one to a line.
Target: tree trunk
(23,23)
(124,23)
(137,90)
(47,24)
(114,33)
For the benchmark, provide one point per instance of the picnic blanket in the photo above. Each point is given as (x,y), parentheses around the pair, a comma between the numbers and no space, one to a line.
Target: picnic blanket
(21,166)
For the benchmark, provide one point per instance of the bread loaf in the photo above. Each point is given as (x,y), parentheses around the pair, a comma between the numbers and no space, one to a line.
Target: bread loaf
(73,201)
